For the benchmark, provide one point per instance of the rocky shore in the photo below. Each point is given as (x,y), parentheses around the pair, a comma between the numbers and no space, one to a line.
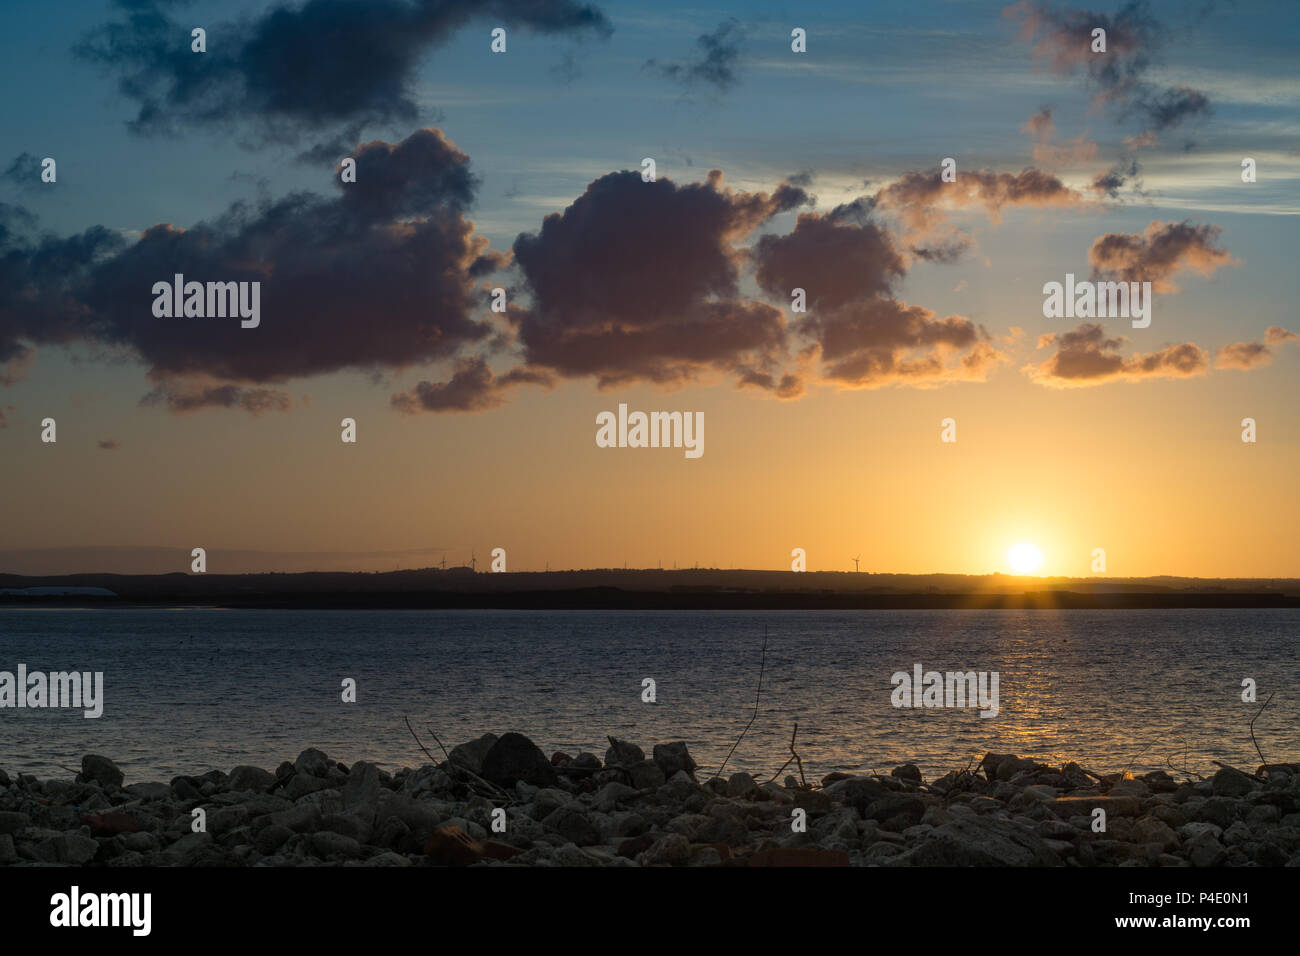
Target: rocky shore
(503,802)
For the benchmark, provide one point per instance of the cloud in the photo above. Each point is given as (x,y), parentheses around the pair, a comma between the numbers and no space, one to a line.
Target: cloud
(921,199)
(25,172)
(1249,355)
(109,444)
(1163,249)
(473,388)
(191,397)
(638,281)
(1086,356)
(322,65)
(715,63)
(865,337)
(1062,37)
(385,277)
(1070,152)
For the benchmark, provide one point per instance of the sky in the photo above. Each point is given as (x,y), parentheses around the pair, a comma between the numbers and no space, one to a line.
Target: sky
(822,170)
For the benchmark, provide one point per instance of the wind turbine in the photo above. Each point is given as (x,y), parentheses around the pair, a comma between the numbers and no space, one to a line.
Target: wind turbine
(855,563)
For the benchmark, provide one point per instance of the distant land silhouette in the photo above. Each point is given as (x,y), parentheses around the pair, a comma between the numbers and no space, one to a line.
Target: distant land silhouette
(688,589)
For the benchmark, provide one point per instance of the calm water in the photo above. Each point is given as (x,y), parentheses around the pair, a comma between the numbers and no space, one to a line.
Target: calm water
(189,690)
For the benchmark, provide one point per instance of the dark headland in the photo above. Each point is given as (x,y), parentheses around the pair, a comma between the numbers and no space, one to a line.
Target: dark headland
(614,589)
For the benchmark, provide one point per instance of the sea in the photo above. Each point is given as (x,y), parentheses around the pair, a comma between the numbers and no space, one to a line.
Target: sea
(188,690)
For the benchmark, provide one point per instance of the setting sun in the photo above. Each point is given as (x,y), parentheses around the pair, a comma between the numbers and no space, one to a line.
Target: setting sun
(1024,557)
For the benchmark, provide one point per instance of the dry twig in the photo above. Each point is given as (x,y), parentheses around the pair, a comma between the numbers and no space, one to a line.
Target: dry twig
(762,667)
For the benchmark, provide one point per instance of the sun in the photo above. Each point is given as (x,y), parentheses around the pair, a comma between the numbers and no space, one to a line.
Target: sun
(1024,557)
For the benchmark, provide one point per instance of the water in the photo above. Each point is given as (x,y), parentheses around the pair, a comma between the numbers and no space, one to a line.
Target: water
(191,690)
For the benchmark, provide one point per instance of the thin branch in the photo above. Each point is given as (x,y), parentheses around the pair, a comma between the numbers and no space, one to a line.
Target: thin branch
(1252,729)
(439,743)
(762,667)
(417,740)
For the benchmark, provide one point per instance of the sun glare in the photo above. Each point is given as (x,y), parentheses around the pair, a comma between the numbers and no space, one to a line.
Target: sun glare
(1024,558)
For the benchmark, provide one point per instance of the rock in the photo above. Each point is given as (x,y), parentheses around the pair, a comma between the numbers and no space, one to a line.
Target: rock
(187,849)
(452,846)
(472,754)
(301,784)
(622,754)
(272,838)
(896,812)
(814,801)
(150,791)
(326,843)
(908,771)
(312,763)
(1205,850)
(361,792)
(612,794)
(671,850)
(1151,830)
(514,758)
(798,856)
(11,821)
(645,775)
(100,770)
(8,853)
(1232,783)
(573,825)
(250,778)
(673,758)
(632,847)
(741,785)
(982,841)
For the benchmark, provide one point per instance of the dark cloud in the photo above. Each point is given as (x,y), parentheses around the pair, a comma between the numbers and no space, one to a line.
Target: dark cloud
(639,281)
(1087,356)
(1163,249)
(1062,36)
(715,63)
(191,397)
(472,388)
(922,199)
(383,278)
(848,266)
(25,171)
(1122,174)
(320,65)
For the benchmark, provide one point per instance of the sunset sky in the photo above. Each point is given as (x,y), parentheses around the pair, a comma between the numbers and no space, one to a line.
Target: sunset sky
(822,429)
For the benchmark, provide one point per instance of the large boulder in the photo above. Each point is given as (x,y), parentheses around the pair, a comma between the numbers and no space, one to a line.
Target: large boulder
(980,841)
(514,758)
(472,754)
(100,770)
(674,757)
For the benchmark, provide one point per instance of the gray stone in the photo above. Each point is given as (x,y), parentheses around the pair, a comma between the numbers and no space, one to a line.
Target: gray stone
(11,821)
(100,770)
(741,785)
(361,792)
(514,758)
(272,838)
(250,778)
(1205,850)
(673,758)
(312,762)
(982,841)
(472,754)
(326,843)
(1232,783)
(150,791)
(622,754)
(573,825)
